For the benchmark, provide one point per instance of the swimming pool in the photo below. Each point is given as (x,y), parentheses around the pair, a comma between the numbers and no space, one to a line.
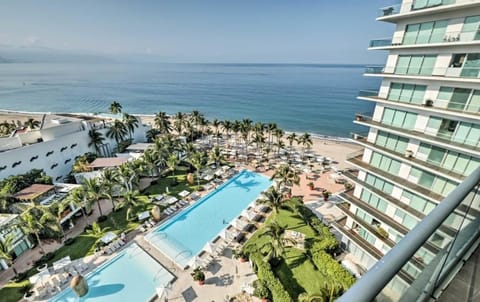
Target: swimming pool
(130,276)
(185,234)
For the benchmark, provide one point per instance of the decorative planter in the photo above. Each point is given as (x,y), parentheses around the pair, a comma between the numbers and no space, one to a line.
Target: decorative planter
(243,260)
(201,282)
(428,103)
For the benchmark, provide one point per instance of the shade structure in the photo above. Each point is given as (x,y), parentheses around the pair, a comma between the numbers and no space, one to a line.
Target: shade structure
(239,224)
(108,237)
(194,262)
(144,215)
(209,247)
(65,261)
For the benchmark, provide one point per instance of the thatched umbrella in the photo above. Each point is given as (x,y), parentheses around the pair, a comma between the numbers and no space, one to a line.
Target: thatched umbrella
(79,285)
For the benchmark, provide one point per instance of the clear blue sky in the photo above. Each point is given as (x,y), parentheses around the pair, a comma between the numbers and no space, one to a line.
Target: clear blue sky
(307,31)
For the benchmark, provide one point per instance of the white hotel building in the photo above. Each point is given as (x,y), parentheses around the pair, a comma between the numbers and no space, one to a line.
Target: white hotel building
(424,133)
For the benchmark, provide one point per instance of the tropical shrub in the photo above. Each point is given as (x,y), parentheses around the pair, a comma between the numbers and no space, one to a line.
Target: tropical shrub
(265,274)
(333,271)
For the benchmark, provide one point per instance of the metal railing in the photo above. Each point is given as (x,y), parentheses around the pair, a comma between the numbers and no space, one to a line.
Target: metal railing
(448,37)
(381,280)
(452,72)
(389,10)
(380,42)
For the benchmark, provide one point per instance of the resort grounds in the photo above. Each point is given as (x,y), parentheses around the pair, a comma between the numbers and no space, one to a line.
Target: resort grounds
(226,277)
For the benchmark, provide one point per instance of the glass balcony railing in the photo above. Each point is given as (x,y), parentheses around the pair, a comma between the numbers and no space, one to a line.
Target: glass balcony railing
(389,10)
(380,43)
(368,93)
(383,282)
(453,72)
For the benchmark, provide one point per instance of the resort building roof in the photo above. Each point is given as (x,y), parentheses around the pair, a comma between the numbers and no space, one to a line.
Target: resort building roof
(140,147)
(106,162)
(34,191)
(6,218)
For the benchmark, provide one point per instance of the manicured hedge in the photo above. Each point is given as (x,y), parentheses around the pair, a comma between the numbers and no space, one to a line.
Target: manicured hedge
(334,271)
(265,273)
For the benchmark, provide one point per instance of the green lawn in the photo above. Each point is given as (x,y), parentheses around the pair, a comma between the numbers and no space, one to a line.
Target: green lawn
(164,182)
(296,272)
(12,292)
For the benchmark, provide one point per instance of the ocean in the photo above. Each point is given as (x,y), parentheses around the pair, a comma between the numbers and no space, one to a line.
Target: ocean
(315,98)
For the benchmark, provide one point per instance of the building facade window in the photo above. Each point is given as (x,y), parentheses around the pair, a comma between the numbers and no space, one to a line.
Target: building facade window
(459,132)
(450,160)
(423,33)
(415,64)
(437,184)
(407,93)
(399,118)
(391,141)
(385,163)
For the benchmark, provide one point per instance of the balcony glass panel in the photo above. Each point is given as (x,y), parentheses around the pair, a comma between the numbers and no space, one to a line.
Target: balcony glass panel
(389,10)
(471,27)
(380,42)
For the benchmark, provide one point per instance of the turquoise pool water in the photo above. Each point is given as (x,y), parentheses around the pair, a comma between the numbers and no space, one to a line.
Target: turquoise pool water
(185,234)
(130,276)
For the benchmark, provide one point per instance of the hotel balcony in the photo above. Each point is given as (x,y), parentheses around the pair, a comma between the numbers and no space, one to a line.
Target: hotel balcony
(356,160)
(366,246)
(453,74)
(397,203)
(426,136)
(452,38)
(449,108)
(411,160)
(414,8)
(434,283)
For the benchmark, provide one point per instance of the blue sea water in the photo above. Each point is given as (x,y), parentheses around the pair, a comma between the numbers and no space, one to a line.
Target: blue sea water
(299,97)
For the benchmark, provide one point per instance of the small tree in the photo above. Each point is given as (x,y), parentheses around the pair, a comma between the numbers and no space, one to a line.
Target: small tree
(198,275)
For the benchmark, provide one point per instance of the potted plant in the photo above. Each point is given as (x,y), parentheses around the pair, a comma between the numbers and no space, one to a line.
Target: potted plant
(199,276)
(27,292)
(261,291)
(240,255)
(311,185)
(326,194)
(408,153)
(348,186)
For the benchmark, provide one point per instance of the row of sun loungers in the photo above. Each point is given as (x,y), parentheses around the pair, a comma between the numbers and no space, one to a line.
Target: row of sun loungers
(113,246)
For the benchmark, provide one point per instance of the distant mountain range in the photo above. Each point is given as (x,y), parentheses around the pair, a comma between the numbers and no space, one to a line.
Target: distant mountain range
(14,54)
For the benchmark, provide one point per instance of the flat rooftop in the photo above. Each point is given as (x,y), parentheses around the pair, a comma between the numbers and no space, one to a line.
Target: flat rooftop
(51,120)
(106,162)
(33,191)
(139,147)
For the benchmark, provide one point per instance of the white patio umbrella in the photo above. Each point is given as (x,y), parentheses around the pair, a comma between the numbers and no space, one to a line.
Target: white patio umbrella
(239,224)
(209,247)
(194,262)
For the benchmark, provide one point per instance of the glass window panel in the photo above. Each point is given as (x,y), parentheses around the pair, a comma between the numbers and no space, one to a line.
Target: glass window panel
(471,25)
(388,188)
(385,163)
(459,98)
(411,34)
(439,185)
(376,159)
(402,145)
(436,155)
(462,133)
(415,65)
(399,118)
(381,138)
(462,163)
(424,149)
(391,142)
(449,186)
(388,116)
(409,222)
(429,207)
(402,64)
(428,65)
(395,91)
(474,135)
(474,105)
(407,92)
(415,172)
(445,93)
(418,94)
(410,120)
(407,195)
(424,33)
(418,204)
(474,163)
(450,160)
(434,122)
(438,32)
(418,4)
(382,206)
(426,179)
(394,167)
(472,65)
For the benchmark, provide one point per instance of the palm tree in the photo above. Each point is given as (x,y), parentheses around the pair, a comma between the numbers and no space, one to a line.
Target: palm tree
(196,118)
(96,140)
(97,231)
(130,200)
(227,126)
(306,141)
(162,122)
(172,163)
(216,156)
(274,247)
(271,127)
(93,192)
(150,159)
(79,198)
(292,137)
(272,198)
(280,145)
(117,131)
(315,297)
(179,122)
(115,108)
(216,125)
(32,123)
(285,174)
(259,140)
(6,245)
(128,176)
(197,160)
(108,181)
(35,220)
(151,134)
(131,122)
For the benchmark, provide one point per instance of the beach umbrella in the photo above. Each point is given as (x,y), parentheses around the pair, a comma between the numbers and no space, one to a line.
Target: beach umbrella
(194,262)
(239,224)
(209,247)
